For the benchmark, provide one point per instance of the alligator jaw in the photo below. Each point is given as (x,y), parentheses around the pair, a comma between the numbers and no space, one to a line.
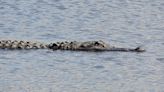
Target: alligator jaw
(138,49)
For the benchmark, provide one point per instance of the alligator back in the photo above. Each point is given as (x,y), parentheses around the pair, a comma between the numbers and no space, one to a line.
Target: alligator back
(16,44)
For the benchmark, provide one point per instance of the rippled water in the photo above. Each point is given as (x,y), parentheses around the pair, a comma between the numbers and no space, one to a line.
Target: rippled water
(124,23)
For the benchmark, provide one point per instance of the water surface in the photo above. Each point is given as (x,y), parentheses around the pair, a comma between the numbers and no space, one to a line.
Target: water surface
(124,23)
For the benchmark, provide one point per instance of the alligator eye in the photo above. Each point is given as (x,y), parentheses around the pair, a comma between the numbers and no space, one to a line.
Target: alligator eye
(97,43)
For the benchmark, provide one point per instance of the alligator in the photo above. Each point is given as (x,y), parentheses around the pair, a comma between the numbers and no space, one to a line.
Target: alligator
(90,46)
(65,45)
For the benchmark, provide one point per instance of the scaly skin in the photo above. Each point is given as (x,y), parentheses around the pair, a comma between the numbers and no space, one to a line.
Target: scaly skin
(9,44)
(73,45)
(90,46)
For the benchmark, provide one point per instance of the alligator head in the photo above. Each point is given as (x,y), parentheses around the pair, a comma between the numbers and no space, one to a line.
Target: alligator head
(93,45)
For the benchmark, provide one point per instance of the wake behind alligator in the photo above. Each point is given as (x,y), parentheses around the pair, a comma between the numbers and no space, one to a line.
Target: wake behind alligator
(72,45)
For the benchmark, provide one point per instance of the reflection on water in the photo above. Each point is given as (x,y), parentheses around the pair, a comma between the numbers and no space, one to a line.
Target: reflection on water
(122,23)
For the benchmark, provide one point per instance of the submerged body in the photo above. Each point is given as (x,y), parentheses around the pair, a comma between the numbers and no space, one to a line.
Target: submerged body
(72,45)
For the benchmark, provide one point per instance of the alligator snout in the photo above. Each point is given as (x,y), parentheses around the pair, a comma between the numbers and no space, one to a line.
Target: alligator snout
(139,49)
